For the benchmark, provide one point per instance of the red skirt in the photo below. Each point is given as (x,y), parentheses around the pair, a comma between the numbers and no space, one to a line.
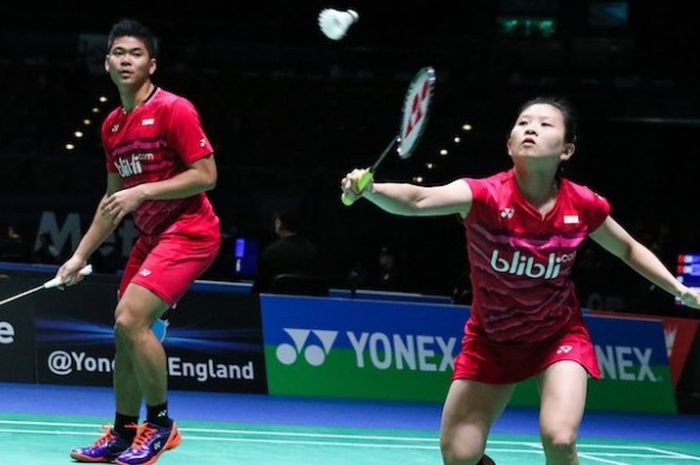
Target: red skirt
(496,363)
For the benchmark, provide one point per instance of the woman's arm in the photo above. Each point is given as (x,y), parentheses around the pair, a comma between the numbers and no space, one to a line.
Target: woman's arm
(411,200)
(613,238)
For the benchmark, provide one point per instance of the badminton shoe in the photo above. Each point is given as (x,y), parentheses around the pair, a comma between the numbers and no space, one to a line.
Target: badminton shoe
(150,442)
(105,449)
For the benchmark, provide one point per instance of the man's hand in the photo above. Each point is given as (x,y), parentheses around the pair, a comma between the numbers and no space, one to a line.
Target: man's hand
(115,207)
(69,274)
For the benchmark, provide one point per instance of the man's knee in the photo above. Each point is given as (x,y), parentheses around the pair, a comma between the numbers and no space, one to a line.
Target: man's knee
(129,321)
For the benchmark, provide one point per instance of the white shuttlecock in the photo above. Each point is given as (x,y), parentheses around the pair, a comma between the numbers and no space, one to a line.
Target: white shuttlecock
(334,23)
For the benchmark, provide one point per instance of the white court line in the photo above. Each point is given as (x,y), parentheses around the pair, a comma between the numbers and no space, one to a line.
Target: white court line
(273,441)
(49,432)
(673,453)
(237,431)
(633,456)
(592,455)
(96,427)
(665,454)
(603,446)
(248,440)
(597,459)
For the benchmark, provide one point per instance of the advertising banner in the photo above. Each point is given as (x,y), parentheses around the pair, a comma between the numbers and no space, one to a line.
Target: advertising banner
(213,341)
(360,348)
(404,351)
(17,332)
(679,333)
(634,364)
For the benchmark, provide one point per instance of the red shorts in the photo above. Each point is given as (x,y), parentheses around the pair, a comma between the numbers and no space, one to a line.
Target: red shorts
(167,264)
(493,363)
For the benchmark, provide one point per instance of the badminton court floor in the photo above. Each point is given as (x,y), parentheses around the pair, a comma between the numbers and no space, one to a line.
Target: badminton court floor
(39,424)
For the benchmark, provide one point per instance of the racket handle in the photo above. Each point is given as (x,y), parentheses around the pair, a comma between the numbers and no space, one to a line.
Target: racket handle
(347,201)
(55,282)
(362,183)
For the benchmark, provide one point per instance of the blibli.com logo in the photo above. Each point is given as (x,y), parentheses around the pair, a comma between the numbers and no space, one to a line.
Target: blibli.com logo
(372,349)
(314,353)
(521,265)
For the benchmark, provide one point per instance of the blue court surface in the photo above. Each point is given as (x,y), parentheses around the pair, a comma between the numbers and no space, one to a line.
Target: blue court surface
(43,422)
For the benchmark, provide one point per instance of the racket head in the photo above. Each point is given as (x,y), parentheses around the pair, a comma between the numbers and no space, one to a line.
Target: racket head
(416,108)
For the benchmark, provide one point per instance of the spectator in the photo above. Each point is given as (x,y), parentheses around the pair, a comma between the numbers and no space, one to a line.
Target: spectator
(290,253)
(387,275)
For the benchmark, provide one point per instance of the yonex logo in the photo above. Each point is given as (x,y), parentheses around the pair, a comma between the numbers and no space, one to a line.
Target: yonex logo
(314,354)
(507,213)
(145,272)
(417,111)
(565,349)
(378,350)
(626,363)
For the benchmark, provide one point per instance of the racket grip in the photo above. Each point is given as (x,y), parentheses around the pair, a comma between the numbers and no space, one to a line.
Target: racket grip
(362,183)
(347,201)
(86,270)
(55,282)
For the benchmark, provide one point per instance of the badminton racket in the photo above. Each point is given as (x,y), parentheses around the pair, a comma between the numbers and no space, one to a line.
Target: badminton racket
(159,327)
(414,119)
(50,284)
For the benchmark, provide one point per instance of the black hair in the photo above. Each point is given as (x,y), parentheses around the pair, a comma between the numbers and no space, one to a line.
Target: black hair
(290,219)
(566,110)
(132,28)
(570,122)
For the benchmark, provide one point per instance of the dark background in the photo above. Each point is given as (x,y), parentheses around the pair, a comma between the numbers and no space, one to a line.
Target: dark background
(290,111)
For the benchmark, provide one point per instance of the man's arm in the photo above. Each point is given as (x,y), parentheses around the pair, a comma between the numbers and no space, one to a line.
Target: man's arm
(100,228)
(200,176)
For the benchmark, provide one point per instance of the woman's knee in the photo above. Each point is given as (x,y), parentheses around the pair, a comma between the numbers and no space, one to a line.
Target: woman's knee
(454,454)
(460,449)
(559,440)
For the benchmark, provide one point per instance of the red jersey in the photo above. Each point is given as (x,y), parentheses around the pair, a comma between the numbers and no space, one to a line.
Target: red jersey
(154,142)
(521,262)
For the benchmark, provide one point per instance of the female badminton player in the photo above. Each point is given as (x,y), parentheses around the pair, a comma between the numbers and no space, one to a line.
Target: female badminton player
(523,227)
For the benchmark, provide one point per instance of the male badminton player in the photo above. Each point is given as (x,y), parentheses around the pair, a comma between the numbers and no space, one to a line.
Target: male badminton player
(159,164)
(523,227)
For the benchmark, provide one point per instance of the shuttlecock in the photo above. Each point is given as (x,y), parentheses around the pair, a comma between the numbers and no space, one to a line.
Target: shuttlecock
(334,23)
